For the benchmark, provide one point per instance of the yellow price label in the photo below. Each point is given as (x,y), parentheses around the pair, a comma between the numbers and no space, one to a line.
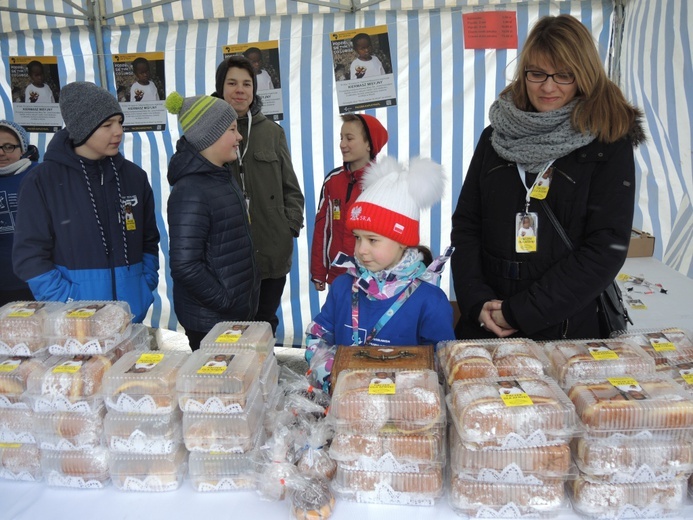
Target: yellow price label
(381,389)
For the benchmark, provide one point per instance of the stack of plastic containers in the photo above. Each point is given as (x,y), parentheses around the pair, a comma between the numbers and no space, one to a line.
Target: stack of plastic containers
(220,394)
(509,447)
(389,441)
(66,393)
(23,349)
(143,427)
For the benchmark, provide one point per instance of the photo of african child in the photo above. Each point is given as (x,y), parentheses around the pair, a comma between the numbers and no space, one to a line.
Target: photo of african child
(219,360)
(361,54)
(526,226)
(34,79)
(139,77)
(383,378)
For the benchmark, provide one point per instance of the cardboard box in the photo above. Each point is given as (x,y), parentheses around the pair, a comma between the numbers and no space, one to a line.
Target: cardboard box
(641,244)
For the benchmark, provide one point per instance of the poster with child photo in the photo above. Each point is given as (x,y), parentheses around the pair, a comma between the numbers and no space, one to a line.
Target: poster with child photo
(35,92)
(141,90)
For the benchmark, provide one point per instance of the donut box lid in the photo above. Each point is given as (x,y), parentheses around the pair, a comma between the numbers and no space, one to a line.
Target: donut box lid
(622,459)
(68,383)
(153,434)
(474,499)
(521,465)
(217,373)
(243,335)
(632,403)
(583,359)
(22,327)
(20,462)
(86,469)
(387,400)
(218,465)
(269,377)
(88,327)
(139,340)
(14,373)
(469,359)
(144,382)
(68,430)
(17,426)
(671,345)
(148,468)
(608,501)
(512,412)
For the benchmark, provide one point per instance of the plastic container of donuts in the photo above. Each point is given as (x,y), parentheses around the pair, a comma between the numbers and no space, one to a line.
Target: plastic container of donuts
(608,501)
(68,430)
(149,434)
(404,401)
(643,457)
(475,499)
(389,451)
(151,473)
(241,335)
(88,327)
(520,464)
(383,487)
(214,471)
(269,376)
(633,403)
(225,433)
(17,426)
(491,358)
(510,412)
(144,382)
(667,346)
(20,462)
(69,383)
(22,327)
(14,373)
(139,340)
(575,360)
(217,381)
(86,469)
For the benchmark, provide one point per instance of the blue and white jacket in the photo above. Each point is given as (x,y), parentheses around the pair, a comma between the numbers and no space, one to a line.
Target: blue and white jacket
(86,230)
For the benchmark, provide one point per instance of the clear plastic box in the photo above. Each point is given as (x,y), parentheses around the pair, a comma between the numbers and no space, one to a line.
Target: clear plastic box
(155,434)
(86,469)
(14,373)
(607,501)
(491,358)
(378,451)
(20,462)
(68,430)
(17,426)
(88,327)
(217,381)
(623,459)
(525,464)
(225,433)
(241,335)
(381,487)
(144,382)
(577,360)
(22,327)
(269,377)
(512,412)
(667,346)
(69,383)
(139,340)
(630,404)
(153,473)
(475,499)
(405,401)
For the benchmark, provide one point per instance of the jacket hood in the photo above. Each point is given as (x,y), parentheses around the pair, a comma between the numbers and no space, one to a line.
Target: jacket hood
(188,161)
(637,132)
(61,150)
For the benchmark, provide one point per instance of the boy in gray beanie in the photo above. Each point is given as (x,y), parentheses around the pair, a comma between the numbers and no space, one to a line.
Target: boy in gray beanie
(215,277)
(86,228)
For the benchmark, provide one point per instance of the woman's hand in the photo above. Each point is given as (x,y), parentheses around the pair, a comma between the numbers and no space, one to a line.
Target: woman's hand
(319,286)
(491,318)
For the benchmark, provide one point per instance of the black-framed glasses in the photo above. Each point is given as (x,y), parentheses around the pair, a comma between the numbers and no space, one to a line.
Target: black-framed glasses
(9,148)
(562,78)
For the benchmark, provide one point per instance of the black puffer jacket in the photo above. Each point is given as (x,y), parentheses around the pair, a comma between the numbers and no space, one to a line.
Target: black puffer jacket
(552,293)
(212,263)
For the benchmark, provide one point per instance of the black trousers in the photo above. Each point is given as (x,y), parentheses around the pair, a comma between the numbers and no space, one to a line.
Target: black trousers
(194,338)
(20,295)
(271,290)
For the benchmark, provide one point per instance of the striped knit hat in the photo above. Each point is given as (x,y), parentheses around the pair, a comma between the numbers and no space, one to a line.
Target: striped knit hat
(203,119)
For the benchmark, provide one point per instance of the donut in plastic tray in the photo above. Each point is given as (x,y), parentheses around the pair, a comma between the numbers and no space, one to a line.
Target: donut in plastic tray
(87,469)
(667,346)
(20,462)
(22,327)
(241,335)
(68,430)
(152,473)
(150,434)
(17,426)
(14,373)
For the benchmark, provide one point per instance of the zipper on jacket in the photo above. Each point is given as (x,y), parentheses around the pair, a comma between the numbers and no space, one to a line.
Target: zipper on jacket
(565,175)
(507,165)
(107,231)
(350,187)
(564,329)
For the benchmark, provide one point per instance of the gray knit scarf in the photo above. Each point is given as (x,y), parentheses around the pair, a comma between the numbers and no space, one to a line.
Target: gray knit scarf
(533,139)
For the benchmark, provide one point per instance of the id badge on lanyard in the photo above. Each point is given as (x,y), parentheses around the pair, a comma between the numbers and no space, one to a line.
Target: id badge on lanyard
(241,168)
(527,222)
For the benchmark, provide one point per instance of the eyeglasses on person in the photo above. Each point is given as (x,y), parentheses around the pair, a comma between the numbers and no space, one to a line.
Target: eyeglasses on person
(561,78)
(9,148)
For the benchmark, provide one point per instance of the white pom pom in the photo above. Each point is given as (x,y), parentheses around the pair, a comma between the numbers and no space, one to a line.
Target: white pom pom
(426,181)
(379,170)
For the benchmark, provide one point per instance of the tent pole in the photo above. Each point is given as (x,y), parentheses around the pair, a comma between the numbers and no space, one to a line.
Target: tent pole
(617,42)
(95,18)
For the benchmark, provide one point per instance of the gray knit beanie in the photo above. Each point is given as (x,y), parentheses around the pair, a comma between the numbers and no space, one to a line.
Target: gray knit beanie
(84,108)
(203,119)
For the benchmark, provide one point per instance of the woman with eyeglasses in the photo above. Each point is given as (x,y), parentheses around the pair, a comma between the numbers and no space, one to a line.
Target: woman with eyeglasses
(561,141)
(17,157)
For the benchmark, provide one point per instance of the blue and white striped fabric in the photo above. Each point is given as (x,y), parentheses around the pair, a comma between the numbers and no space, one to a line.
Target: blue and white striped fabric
(443,93)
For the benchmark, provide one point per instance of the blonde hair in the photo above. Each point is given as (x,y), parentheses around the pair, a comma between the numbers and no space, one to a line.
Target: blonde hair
(568,46)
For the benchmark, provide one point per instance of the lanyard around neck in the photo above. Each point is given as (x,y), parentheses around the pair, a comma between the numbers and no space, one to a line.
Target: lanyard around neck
(241,170)
(521,172)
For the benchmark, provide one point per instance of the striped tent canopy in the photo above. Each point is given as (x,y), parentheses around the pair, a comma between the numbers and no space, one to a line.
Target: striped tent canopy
(443,93)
